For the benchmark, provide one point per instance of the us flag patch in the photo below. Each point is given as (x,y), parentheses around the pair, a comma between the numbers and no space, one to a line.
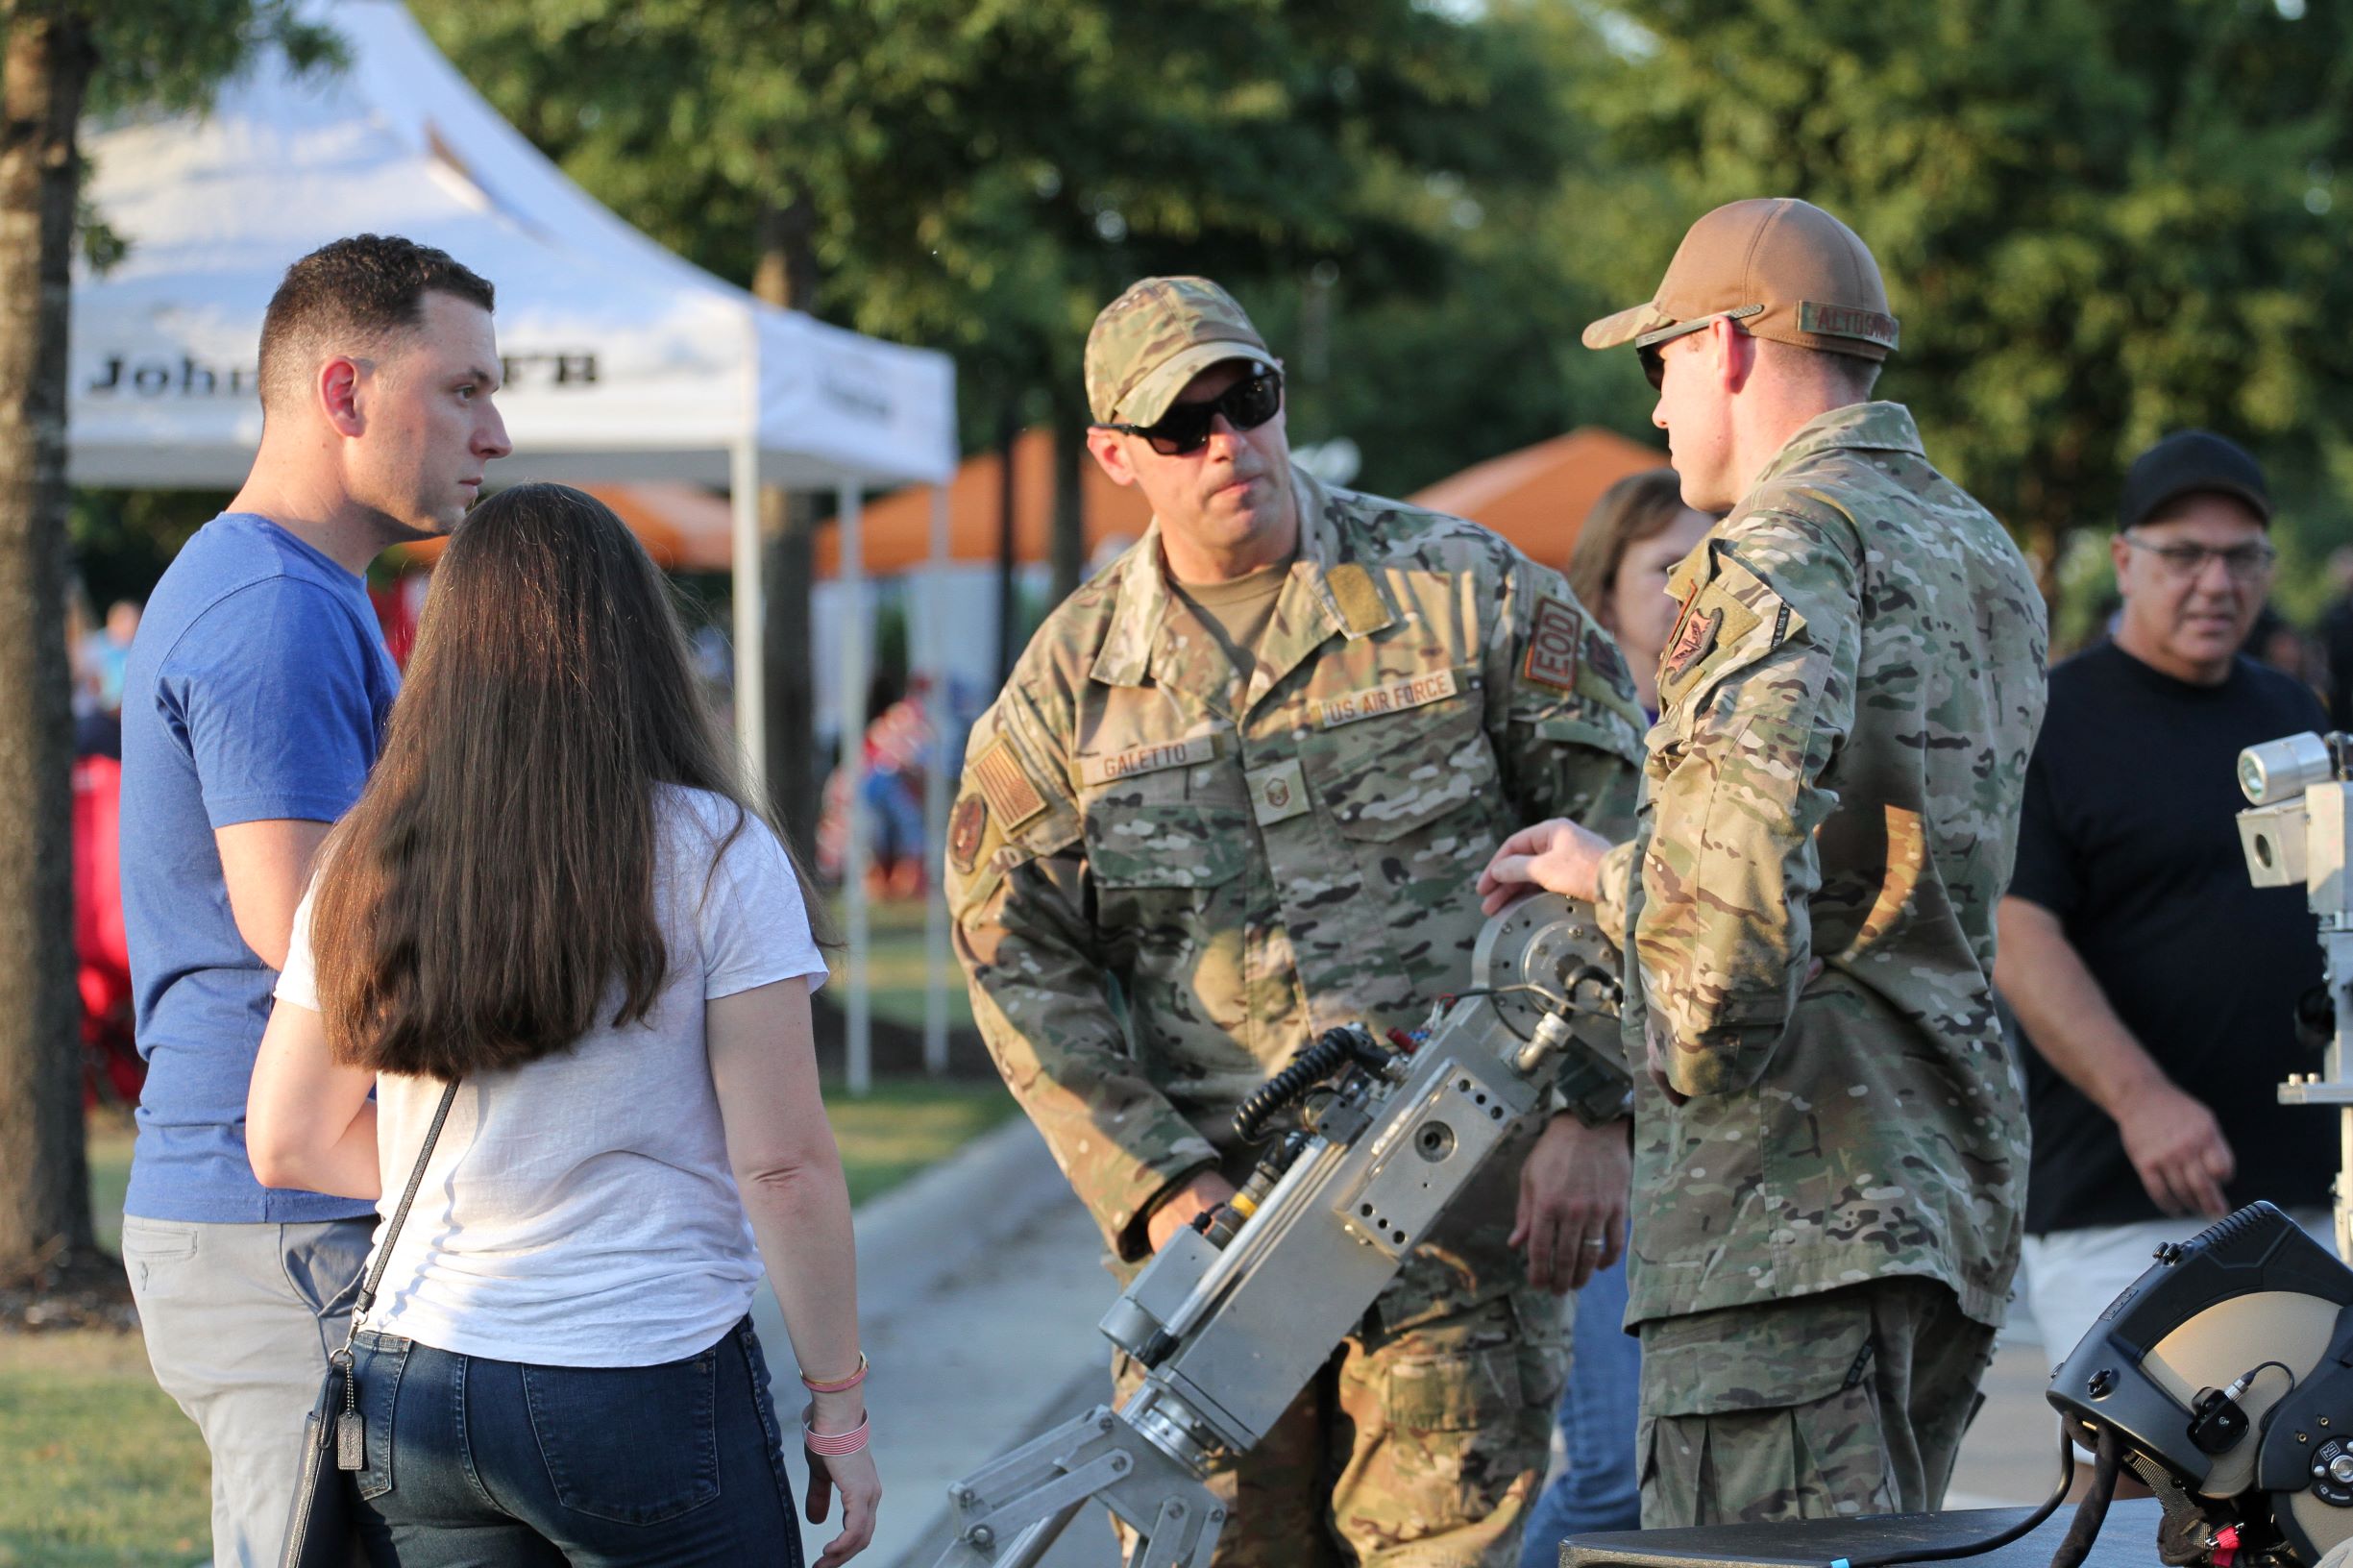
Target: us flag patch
(1010,794)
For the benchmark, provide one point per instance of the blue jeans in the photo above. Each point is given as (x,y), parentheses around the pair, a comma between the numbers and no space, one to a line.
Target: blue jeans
(478,1462)
(1598,1490)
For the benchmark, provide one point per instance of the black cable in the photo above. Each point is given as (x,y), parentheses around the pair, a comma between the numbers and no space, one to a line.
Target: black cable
(2248,1378)
(1992,1543)
(2093,1512)
(1310,1067)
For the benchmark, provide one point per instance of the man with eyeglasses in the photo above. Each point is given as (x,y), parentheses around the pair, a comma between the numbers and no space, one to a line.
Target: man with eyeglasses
(1235,792)
(1830,1154)
(2156,984)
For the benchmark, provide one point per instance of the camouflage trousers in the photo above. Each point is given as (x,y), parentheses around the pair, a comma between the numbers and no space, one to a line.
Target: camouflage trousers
(1853,1401)
(1417,1449)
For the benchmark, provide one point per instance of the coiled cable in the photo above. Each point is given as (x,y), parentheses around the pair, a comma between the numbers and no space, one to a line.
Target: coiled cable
(1337,1050)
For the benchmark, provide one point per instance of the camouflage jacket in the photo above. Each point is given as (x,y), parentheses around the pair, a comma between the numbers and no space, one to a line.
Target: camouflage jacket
(1847,701)
(1158,899)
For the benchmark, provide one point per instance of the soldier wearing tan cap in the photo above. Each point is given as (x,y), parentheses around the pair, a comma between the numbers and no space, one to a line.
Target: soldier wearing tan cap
(1830,1158)
(1236,791)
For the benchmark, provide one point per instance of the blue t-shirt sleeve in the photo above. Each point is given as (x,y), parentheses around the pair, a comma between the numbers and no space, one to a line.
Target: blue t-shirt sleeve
(270,692)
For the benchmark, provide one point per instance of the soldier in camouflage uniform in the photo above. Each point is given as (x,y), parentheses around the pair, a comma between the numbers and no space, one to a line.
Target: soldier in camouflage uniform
(1831,1156)
(1236,791)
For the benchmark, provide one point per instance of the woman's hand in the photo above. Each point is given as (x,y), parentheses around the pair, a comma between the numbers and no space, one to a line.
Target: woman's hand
(853,1475)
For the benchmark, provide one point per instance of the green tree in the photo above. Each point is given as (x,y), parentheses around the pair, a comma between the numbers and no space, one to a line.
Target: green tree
(60,56)
(982,177)
(2098,222)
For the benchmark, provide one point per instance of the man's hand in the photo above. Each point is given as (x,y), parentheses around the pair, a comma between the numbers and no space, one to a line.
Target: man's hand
(1573,1195)
(2178,1149)
(1557,855)
(1203,1192)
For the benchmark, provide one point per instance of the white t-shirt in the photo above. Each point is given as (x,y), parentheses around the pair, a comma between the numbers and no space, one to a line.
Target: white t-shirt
(578,1211)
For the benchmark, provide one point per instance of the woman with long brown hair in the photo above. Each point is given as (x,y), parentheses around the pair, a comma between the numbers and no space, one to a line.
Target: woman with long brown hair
(552,898)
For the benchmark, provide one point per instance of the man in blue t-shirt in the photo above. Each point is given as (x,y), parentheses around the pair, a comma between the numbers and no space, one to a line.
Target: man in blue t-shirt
(252,703)
(2155,983)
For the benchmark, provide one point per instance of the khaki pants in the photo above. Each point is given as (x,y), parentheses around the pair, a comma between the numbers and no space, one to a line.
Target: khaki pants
(239,1321)
(1853,1401)
(1423,1446)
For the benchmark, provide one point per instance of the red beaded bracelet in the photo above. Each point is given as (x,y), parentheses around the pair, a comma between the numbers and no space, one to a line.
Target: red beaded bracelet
(842,1385)
(834,1443)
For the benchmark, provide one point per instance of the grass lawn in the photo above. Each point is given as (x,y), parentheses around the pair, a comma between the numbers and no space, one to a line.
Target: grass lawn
(97,1465)
(895,965)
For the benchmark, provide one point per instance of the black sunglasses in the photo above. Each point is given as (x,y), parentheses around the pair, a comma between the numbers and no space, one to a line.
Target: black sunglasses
(1246,404)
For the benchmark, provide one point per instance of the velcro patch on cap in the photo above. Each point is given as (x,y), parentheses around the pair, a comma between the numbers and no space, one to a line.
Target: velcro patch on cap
(1847,321)
(1363,609)
(1551,645)
(1010,794)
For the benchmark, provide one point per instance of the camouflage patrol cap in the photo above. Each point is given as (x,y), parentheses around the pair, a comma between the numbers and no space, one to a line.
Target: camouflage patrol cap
(1157,336)
(1784,269)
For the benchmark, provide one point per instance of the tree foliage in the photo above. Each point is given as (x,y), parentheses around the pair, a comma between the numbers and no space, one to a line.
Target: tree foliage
(2098,222)
(62,58)
(983,177)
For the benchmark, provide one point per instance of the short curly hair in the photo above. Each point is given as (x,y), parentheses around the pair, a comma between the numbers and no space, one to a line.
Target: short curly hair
(349,296)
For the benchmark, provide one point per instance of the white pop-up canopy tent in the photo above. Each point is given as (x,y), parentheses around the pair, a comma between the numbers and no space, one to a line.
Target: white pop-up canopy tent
(622,360)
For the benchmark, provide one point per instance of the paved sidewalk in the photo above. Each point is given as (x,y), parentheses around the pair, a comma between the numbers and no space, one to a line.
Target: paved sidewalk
(2011,1454)
(980,1283)
(979,1288)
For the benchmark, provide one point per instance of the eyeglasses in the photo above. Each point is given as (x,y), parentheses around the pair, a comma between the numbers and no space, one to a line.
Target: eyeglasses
(1651,347)
(1186,426)
(2186,563)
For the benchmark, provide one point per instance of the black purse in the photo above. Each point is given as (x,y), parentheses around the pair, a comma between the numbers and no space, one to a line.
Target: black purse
(320,1529)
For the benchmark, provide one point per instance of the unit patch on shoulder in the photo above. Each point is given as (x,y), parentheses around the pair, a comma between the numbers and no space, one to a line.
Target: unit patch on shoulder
(1010,794)
(1551,645)
(967,826)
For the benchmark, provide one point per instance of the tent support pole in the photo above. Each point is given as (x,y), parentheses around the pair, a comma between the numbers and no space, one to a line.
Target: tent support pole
(935,804)
(750,671)
(855,621)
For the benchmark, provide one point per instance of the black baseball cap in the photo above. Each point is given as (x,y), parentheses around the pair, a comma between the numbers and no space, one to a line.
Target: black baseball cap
(2185,463)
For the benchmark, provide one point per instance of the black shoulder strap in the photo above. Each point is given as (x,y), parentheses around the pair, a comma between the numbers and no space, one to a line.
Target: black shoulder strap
(392,1232)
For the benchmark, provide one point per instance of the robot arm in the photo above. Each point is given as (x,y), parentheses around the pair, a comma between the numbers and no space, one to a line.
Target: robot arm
(1230,1321)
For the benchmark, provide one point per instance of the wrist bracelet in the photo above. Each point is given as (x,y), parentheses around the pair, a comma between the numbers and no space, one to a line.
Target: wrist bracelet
(835,1443)
(837,1385)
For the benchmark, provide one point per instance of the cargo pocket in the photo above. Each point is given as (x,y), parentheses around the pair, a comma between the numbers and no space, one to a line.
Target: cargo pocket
(377,1362)
(1454,1447)
(1382,779)
(1168,906)
(1763,1415)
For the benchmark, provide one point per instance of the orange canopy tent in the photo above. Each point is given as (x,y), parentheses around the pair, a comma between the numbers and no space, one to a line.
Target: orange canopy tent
(683,526)
(894,530)
(1538,496)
